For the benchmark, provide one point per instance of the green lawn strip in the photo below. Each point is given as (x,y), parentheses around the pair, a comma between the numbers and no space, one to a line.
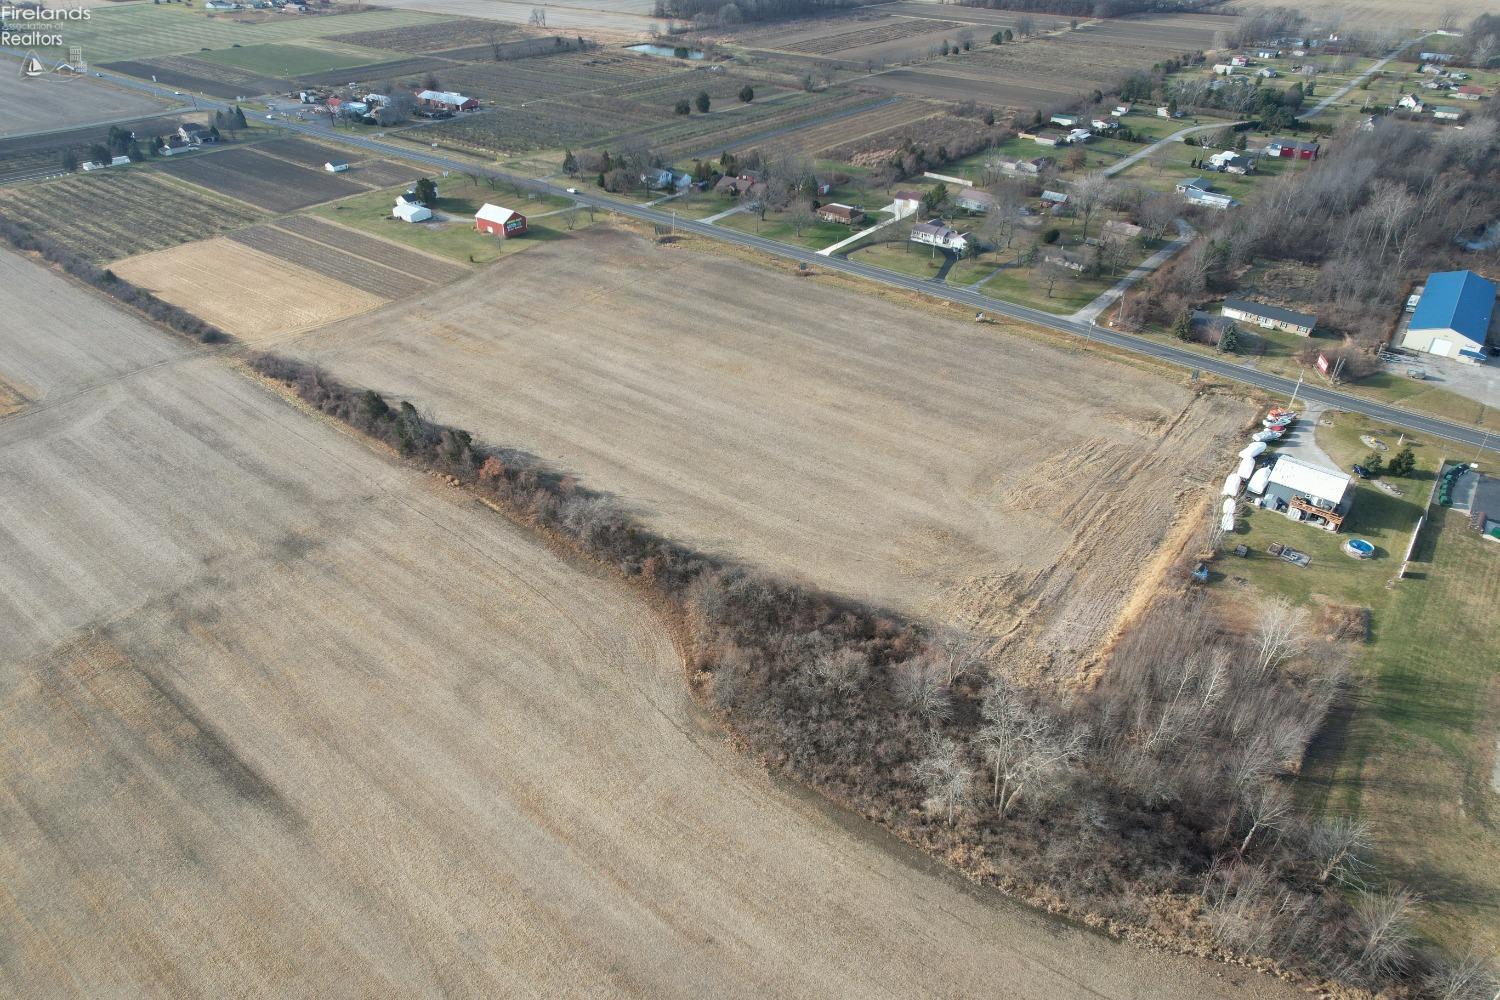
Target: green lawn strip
(457,239)
(902,256)
(1015,284)
(815,236)
(283,59)
(1411,756)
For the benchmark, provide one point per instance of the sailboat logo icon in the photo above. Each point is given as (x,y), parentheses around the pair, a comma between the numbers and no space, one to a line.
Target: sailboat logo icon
(31,66)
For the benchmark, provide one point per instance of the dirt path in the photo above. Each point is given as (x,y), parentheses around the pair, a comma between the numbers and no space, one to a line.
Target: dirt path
(280,717)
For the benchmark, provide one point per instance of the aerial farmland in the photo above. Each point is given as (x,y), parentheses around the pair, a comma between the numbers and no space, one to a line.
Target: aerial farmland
(768,500)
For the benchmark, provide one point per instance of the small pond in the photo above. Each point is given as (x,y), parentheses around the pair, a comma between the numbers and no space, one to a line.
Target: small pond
(667,51)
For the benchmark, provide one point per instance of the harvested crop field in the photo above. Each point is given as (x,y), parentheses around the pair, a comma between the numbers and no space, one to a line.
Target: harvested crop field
(879,38)
(1373,15)
(109,214)
(371,173)
(200,76)
(263,181)
(1050,71)
(433,36)
(320,258)
(253,295)
(283,717)
(413,264)
(818,431)
(54,102)
(849,129)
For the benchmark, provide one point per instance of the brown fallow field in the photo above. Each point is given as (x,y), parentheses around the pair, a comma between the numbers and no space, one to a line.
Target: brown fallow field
(1054,69)
(941,467)
(261,180)
(284,717)
(248,293)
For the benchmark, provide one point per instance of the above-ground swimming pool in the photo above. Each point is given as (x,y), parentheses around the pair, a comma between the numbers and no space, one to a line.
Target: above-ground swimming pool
(1359,548)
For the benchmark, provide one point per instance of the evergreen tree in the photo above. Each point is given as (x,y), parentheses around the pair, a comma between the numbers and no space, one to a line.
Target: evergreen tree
(1403,463)
(1182,326)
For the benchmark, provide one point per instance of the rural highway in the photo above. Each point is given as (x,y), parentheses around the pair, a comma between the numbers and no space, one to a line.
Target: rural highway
(1241,373)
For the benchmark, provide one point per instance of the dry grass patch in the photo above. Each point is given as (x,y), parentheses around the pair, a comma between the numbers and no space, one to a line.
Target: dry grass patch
(249,294)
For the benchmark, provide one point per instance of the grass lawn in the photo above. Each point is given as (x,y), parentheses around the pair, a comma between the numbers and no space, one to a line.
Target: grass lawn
(283,59)
(815,236)
(902,256)
(1015,284)
(457,239)
(141,31)
(1412,756)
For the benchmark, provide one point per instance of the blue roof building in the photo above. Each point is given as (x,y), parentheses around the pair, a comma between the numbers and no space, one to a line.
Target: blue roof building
(1452,319)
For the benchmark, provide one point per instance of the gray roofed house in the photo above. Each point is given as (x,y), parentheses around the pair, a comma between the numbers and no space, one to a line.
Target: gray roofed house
(1270,317)
(974,201)
(936,234)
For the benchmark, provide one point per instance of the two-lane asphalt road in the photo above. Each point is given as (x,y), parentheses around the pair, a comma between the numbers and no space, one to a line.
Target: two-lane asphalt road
(1277,384)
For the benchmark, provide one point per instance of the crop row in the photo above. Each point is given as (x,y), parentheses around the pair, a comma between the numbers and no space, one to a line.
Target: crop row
(409,262)
(318,258)
(108,216)
(829,44)
(818,137)
(261,180)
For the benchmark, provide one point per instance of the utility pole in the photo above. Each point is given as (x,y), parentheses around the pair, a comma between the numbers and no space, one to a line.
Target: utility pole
(1298,388)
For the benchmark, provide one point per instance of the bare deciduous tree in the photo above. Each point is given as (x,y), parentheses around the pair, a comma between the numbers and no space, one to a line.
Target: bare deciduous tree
(1384,923)
(1268,808)
(1280,634)
(946,778)
(920,688)
(1336,846)
(1021,746)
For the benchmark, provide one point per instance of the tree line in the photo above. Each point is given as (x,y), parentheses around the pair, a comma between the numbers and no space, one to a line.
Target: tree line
(1166,782)
(27,240)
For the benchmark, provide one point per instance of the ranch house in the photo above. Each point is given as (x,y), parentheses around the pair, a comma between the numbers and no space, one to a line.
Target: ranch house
(498,221)
(1448,113)
(974,201)
(846,215)
(935,234)
(1469,92)
(1269,317)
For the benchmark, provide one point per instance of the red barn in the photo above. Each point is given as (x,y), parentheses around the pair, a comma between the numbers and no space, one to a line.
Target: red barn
(1293,148)
(501,222)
